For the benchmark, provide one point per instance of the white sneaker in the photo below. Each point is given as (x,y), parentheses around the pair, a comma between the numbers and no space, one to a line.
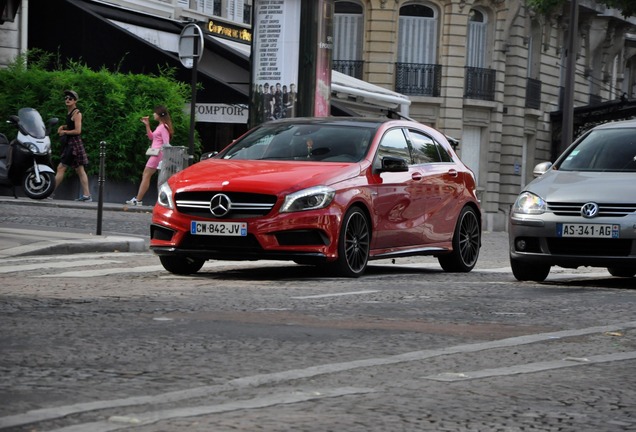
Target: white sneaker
(133,201)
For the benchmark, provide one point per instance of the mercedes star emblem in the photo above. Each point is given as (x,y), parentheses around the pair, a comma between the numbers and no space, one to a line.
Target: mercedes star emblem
(220,205)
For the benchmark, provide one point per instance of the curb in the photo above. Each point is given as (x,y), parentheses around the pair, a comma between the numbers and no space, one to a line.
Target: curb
(63,247)
(74,204)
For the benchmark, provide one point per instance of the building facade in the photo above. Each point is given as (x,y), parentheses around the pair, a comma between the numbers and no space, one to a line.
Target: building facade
(490,73)
(487,72)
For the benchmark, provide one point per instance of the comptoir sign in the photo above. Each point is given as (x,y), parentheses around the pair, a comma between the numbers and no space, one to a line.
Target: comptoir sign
(220,113)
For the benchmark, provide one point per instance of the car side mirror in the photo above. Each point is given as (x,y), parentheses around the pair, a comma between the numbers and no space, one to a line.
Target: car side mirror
(541,168)
(208,155)
(394,164)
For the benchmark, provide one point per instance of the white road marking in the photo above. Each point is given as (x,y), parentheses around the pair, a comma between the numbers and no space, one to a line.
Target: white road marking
(335,294)
(294,374)
(56,265)
(150,417)
(531,367)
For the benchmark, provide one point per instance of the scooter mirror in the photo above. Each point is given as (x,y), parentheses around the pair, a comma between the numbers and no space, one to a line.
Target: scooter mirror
(14,119)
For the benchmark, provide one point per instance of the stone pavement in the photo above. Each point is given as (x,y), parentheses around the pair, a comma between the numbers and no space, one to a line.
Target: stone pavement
(17,241)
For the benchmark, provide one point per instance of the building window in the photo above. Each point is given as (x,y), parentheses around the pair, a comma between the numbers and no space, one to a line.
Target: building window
(417,38)
(417,71)
(348,27)
(533,84)
(480,81)
(476,39)
(247,14)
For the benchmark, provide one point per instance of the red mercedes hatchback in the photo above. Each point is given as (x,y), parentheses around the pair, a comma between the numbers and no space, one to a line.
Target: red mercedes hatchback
(335,192)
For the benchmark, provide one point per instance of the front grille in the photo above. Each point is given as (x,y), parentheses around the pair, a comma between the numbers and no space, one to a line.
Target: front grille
(302,238)
(589,247)
(604,209)
(240,244)
(244,205)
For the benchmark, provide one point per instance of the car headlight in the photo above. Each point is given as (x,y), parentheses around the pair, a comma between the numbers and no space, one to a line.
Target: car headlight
(165,196)
(308,199)
(529,203)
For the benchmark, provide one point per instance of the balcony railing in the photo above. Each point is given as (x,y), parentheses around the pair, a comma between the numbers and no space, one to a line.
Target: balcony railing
(480,83)
(353,68)
(595,99)
(418,79)
(533,93)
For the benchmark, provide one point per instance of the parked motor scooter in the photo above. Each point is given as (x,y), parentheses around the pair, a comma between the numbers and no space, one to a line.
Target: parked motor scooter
(26,160)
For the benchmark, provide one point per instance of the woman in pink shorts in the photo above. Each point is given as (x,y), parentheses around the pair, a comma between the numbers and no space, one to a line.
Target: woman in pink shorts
(160,136)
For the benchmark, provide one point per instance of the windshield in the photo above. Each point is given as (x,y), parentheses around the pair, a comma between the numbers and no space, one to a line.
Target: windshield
(31,122)
(313,142)
(604,150)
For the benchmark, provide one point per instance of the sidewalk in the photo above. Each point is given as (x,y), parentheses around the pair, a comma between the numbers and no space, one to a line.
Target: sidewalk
(15,241)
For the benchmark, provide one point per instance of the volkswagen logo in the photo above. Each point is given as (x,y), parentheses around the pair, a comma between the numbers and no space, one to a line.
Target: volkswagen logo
(220,205)
(589,210)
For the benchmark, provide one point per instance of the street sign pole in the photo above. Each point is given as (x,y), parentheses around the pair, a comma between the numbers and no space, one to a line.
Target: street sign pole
(190,52)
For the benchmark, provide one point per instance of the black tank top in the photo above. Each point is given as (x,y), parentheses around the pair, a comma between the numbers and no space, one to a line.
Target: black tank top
(70,124)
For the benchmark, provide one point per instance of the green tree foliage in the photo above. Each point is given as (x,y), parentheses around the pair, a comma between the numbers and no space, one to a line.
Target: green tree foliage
(112,105)
(545,7)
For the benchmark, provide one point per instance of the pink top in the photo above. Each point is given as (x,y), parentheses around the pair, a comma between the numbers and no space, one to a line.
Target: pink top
(159,136)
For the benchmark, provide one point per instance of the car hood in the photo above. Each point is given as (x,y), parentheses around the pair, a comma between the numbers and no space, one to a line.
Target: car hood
(267,177)
(577,186)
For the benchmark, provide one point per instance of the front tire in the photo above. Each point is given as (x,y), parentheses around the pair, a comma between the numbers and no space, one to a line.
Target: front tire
(529,272)
(181,265)
(466,244)
(38,190)
(353,245)
(625,272)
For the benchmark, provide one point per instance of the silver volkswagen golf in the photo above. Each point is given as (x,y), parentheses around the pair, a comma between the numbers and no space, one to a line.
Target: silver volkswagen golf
(581,210)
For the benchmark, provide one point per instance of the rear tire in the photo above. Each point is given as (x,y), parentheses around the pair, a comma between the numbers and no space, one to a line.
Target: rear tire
(38,190)
(626,272)
(466,244)
(529,272)
(181,265)
(353,245)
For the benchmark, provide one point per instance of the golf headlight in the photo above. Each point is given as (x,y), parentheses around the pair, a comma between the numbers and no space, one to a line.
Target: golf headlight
(529,204)
(308,199)
(165,196)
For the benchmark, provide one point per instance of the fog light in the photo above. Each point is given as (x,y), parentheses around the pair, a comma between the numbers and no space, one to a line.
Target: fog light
(521,244)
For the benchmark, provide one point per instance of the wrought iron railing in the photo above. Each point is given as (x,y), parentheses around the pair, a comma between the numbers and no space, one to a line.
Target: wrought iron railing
(418,79)
(480,83)
(352,68)
(533,93)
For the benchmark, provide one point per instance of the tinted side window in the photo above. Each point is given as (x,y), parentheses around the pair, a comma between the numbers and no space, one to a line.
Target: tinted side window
(394,144)
(424,148)
(446,157)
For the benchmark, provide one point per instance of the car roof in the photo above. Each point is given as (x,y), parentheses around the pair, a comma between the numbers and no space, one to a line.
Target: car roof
(617,124)
(353,121)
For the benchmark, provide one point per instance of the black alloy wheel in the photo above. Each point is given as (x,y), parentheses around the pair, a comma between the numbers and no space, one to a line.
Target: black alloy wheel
(354,244)
(466,243)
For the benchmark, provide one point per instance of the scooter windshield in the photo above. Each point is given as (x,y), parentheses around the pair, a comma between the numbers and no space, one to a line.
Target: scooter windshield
(31,122)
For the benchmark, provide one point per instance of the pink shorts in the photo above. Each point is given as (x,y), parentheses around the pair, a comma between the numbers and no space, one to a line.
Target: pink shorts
(153,161)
